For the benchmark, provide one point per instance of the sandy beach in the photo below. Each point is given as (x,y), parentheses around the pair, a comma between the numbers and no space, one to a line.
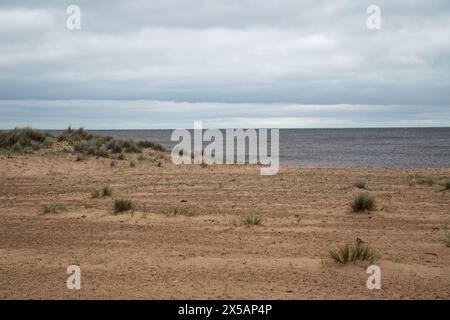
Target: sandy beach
(186,240)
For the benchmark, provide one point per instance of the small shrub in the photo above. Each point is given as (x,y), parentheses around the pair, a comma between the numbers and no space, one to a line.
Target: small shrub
(103,153)
(252,220)
(132,164)
(361,184)
(52,208)
(363,202)
(141,157)
(122,205)
(80,157)
(357,251)
(159,164)
(113,163)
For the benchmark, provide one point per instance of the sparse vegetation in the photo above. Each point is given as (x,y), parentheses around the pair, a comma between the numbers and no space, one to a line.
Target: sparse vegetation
(113,163)
(252,220)
(429,181)
(52,208)
(141,157)
(132,164)
(24,139)
(361,184)
(123,205)
(363,202)
(83,142)
(95,194)
(446,241)
(178,211)
(104,192)
(353,252)
(152,145)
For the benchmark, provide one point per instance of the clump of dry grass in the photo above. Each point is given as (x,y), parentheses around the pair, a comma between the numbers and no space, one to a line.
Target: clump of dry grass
(52,208)
(252,220)
(361,184)
(363,202)
(429,181)
(353,252)
(104,192)
(178,211)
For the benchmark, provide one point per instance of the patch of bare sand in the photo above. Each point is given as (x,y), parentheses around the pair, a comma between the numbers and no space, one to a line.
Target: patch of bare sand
(205,252)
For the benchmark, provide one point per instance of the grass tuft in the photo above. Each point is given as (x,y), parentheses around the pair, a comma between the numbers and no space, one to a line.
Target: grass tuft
(252,220)
(354,252)
(363,202)
(106,191)
(123,205)
(52,208)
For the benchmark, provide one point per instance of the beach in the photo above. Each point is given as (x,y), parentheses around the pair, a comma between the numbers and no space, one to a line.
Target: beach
(185,237)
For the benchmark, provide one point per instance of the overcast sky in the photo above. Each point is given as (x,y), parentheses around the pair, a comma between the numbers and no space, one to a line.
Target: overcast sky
(230,63)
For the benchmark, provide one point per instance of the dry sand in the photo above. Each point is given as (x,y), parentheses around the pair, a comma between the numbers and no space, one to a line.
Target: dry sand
(208,254)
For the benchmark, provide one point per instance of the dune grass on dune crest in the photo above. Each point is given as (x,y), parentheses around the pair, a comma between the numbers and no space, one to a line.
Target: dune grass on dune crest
(24,139)
(83,142)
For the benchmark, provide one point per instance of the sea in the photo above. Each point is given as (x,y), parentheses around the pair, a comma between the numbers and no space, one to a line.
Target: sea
(347,148)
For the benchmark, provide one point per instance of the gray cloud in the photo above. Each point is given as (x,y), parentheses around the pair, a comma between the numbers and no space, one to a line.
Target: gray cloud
(230,52)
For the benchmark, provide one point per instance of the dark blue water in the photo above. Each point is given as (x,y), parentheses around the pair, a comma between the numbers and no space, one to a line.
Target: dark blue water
(384,148)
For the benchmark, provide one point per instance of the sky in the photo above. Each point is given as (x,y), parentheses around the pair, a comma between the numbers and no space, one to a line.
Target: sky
(230,63)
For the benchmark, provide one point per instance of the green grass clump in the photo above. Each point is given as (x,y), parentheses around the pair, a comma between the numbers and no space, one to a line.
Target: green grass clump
(24,139)
(252,220)
(123,205)
(363,202)
(361,184)
(52,208)
(354,252)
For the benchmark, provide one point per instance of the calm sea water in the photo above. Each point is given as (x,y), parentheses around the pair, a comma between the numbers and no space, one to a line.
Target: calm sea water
(388,148)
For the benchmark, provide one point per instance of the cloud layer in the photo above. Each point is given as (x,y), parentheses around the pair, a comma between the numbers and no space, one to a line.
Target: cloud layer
(238,54)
